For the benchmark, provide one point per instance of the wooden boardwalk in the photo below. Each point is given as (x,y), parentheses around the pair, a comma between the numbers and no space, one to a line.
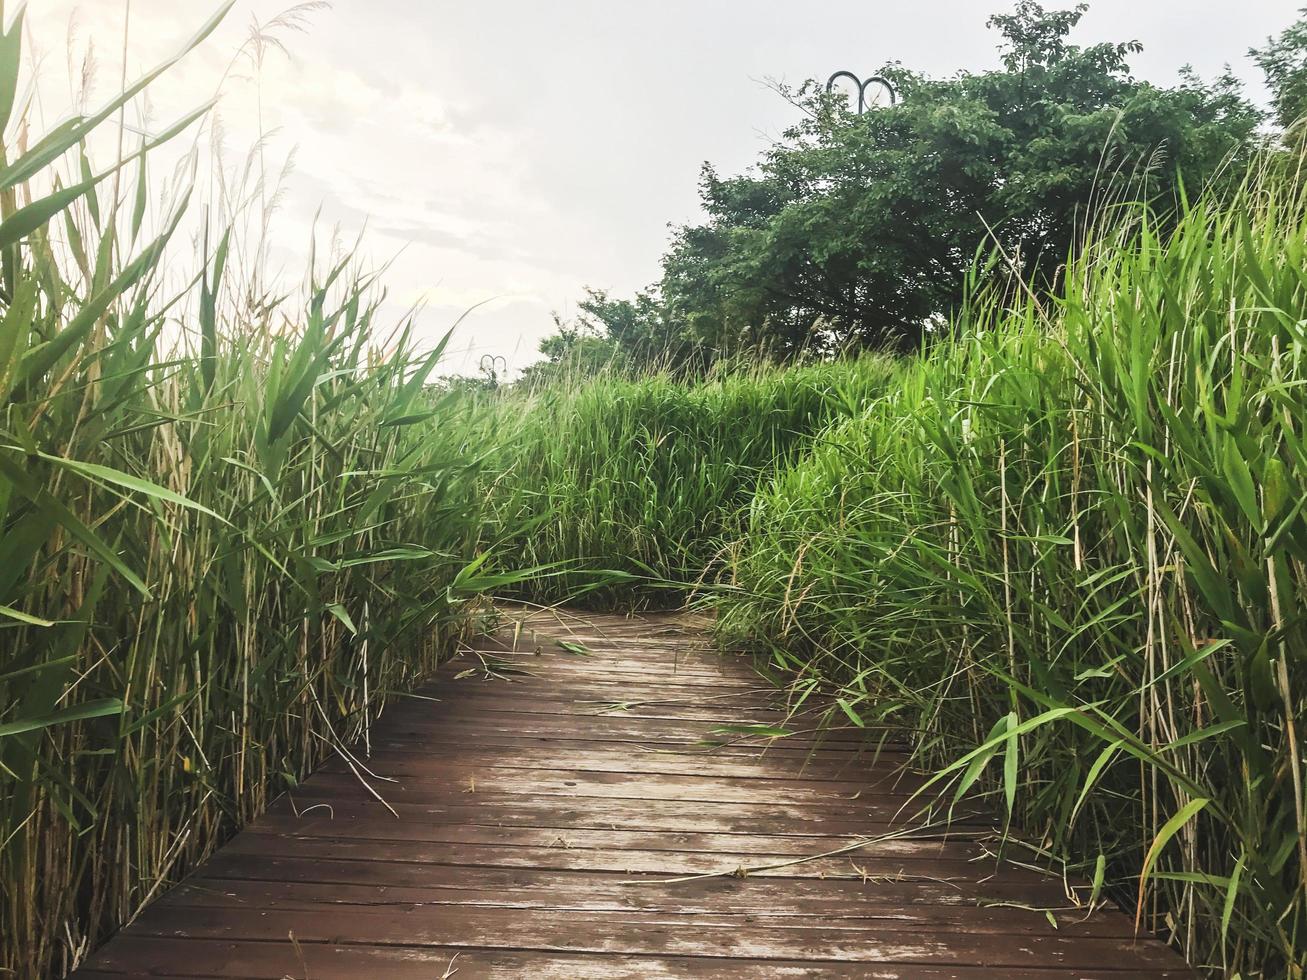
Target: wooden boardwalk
(533,821)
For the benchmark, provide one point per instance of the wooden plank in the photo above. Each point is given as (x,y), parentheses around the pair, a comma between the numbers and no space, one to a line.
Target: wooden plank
(637,779)
(644,728)
(147,955)
(627,861)
(619,699)
(670,653)
(612,840)
(456,709)
(869,916)
(417,801)
(801,823)
(385,827)
(508,747)
(532,754)
(418,713)
(361,881)
(521,669)
(629,933)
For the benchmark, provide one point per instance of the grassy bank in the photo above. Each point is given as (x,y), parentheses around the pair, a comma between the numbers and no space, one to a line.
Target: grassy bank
(229,529)
(1075,538)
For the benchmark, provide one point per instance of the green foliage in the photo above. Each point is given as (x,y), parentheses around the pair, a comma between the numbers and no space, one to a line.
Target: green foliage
(578,350)
(644,476)
(1284,62)
(1073,538)
(858,231)
(1076,536)
(214,564)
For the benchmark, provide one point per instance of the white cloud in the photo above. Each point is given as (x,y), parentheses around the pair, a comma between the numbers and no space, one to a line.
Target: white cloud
(518,150)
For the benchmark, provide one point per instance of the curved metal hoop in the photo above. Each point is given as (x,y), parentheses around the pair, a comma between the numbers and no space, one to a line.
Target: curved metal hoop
(881,83)
(493,364)
(876,80)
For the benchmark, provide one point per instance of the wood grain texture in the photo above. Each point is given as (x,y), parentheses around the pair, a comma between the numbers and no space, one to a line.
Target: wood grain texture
(538,799)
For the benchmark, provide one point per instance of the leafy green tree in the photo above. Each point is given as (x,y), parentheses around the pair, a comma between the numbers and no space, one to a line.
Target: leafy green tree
(857,231)
(1284,63)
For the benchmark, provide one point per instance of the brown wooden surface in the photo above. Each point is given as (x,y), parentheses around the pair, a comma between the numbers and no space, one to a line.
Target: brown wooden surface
(536,801)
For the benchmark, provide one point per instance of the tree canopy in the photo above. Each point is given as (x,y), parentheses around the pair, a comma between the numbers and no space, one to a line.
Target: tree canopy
(1284,62)
(858,231)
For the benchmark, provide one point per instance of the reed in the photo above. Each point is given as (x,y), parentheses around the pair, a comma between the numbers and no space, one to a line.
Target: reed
(229,530)
(625,490)
(1067,545)
(1069,548)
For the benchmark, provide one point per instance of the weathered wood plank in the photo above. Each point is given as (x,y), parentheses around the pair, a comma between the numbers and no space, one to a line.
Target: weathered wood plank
(625,860)
(359,882)
(631,933)
(635,781)
(152,956)
(385,827)
(347,798)
(581,755)
(869,923)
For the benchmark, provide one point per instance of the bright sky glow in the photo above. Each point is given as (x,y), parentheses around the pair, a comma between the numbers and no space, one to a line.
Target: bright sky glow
(509,154)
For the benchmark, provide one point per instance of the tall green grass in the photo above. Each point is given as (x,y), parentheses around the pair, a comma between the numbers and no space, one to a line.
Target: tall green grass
(229,529)
(645,476)
(1069,548)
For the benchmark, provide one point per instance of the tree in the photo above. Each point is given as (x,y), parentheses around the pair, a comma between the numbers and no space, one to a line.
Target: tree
(1284,63)
(857,231)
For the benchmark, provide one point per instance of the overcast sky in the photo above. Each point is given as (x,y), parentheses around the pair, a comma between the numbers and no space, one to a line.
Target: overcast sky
(517,151)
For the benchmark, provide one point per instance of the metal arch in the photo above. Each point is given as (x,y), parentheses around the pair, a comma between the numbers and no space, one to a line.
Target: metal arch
(493,365)
(857,83)
(884,83)
(863,104)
